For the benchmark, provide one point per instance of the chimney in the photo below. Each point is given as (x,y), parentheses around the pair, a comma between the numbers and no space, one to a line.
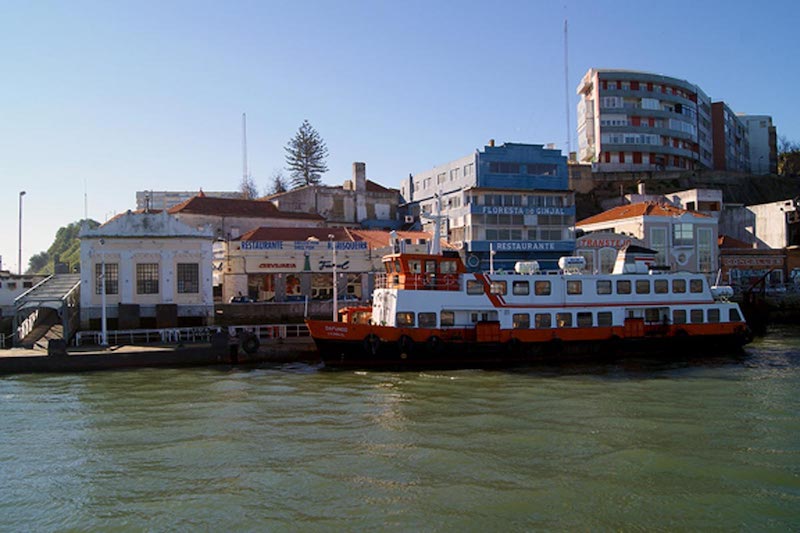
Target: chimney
(491,143)
(360,176)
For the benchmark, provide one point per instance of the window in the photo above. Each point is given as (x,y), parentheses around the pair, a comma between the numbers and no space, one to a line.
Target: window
(12,285)
(498,287)
(543,320)
(652,315)
(585,319)
(696,316)
(521,321)
(682,235)
(27,284)
(642,286)
(679,316)
(448,267)
(713,315)
(574,287)
(447,318)
(564,320)
(415,266)
(661,286)
(658,242)
(474,286)
(623,286)
(678,286)
(112,278)
(603,286)
(704,250)
(499,167)
(521,288)
(147,278)
(696,285)
(427,320)
(430,266)
(405,319)
(734,316)
(541,288)
(188,278)
(604,318)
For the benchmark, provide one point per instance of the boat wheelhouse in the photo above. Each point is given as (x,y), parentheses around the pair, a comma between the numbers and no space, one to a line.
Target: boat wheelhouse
(428,311)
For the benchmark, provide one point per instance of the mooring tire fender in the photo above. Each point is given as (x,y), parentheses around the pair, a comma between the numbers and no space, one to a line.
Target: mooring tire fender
(250,344)
(372,344)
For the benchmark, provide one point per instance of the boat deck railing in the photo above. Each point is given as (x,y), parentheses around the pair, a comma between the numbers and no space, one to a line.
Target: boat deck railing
(190,335)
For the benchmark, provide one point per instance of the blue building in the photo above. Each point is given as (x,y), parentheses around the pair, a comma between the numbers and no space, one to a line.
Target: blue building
(510,199)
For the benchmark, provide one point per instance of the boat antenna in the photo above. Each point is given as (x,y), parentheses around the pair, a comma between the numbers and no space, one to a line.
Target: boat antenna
(435,247)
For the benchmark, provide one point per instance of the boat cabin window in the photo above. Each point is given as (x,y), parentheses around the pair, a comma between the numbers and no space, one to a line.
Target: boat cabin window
(734,316)
(564,320)
(696,316)
(604,318)
(521,288)
(498,287)
(426,320)
(430,266)
(474,286)
(415,266)
(521,321)
(574,286)
(696,285)
(623,286)
(483,317)
(679,316)
(713,315)
(652,315)
(448,267)
(447,318)
(678,286)
(543,320)
(405,319)
(542,288)
(603,286)
(585,319)
(661,286)
(642,286)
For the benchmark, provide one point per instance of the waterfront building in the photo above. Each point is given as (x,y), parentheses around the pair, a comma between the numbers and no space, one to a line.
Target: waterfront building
(685,240)
(271,264)
(763,139)
(11,287)
(743,266)
(600,249)
(631,121)
(157,273)
(731,145)
(509,203)
(153,200)
(762,226)
(359,202)
(230,218)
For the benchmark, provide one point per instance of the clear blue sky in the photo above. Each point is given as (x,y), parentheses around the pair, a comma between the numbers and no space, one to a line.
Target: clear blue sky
(127,96)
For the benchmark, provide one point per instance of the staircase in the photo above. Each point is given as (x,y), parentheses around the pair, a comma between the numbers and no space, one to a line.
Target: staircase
(43,312)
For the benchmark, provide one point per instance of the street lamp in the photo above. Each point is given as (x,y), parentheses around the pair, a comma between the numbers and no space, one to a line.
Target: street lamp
(335,289)
(19,260)
(103,315)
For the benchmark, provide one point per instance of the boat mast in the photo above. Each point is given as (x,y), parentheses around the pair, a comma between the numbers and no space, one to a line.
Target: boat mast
(435,247)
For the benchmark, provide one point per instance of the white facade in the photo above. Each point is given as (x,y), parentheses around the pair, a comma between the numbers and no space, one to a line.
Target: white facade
(149,259)
(168,199)
(763,149)
(11,286)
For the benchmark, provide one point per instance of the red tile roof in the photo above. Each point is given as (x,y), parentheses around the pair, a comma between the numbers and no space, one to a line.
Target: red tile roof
(726,241)
(380,239)
(641,209)
(295,234)
(208,205)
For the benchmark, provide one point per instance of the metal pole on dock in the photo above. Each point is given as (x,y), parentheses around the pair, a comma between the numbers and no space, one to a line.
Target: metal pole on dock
(335,289)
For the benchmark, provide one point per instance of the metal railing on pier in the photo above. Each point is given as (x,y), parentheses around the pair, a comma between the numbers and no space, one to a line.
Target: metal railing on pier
(189,335)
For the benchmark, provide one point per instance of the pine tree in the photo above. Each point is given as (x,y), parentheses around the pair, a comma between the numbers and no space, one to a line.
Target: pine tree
(305,156)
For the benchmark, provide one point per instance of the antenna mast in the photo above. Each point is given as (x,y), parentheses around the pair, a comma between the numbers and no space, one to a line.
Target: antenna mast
(244,147)
(566,87)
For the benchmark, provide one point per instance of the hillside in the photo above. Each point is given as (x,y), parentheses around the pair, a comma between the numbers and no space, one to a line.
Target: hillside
(747,190)
(66,248)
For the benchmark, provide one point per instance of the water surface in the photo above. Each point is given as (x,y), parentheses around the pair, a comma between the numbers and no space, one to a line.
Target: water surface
(702,443)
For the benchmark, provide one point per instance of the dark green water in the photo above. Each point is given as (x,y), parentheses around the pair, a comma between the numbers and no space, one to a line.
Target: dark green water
(701,444)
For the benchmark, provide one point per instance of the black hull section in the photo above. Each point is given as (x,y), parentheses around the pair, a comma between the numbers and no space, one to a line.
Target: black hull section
(410,355)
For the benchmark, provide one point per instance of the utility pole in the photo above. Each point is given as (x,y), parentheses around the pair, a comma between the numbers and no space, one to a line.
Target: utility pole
(566,87)
(19,260)
(244,147)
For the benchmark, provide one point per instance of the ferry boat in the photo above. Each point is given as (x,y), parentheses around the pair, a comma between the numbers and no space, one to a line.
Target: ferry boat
(427,311)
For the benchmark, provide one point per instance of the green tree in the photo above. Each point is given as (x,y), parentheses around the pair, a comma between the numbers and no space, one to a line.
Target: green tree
(788,157)
(66,248)
(305,156)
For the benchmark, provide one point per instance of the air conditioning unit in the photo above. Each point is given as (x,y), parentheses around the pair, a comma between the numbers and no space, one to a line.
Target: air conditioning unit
(409,219)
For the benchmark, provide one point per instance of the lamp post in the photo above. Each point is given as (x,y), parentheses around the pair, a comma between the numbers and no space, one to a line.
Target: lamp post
(103,316)
(19,259)
(335,289)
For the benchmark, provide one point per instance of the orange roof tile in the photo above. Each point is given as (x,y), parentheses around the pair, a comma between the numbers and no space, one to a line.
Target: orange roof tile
(641,209)
(207,205)
(265,233)
(380,239)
